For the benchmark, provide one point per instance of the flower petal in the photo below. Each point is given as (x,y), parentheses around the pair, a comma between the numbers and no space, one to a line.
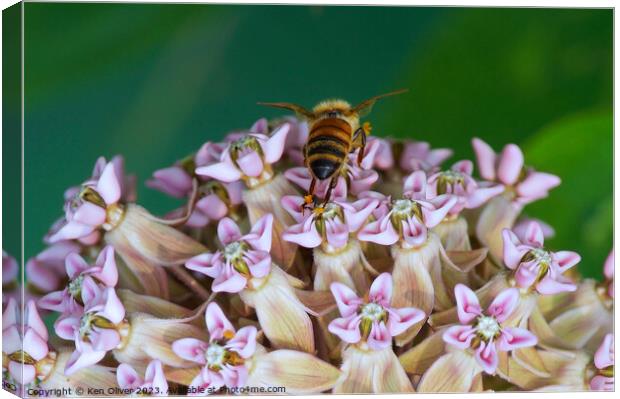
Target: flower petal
(486,158)
(550,286)
(250,163)
(565,260)
(34,321)
(209,264)
(191,349)
(537,184)
(380,232)
(487,357)
(274,147)
(260,235)
(228,231)
(379,337)
(34,345)
(467,304)
(513,338)
(459,336)
(346,299)
(82,359)
(401,319)
(127,377)
(381,290)
(244,342)
(108,185)
(510,164)
(504,304)
(346,328)
(217,323)
(513,253)
(222,171)
(89,214)
(108,273)
(604,356)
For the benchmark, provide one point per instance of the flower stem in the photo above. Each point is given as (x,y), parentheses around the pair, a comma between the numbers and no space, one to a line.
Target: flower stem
(183,276)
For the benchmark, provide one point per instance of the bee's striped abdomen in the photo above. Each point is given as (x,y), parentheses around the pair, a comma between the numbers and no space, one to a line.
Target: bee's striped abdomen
(329,142)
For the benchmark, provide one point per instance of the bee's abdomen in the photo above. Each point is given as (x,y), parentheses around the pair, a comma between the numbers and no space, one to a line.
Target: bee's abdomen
(329,142)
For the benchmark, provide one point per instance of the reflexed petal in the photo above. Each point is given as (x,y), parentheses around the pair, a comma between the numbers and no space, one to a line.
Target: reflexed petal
(174,181)
(347,328)
(379,337)
(361,210)
(566,259)
(292,204)
(65,327)
(537,184)
(250,163)
(467,304)
(114,309)
(534,235)
(486,158)
(304,234)
(482,194)
(81,359)
(336,232)
(347,300)
(75,265)
(381,290)
(222,171)
(244,342)
(487,357)
(209,264)
(604,356)
(89,214)
(513,338)
(259,263)
(504,304)
(108,185)
(380,232)
(35,345)
(109,273)
(360,181)
(34,321)
(228,231)
(191,349)
(104,339)
(70,231)
(127,377)
(510,164)
(260,235)
(512,253)
(217,322)
(414,232)
(401,319)
(274,147)
(55,301)
(443,204)
(459,336)
(414,186)
(229,282)
(550,286)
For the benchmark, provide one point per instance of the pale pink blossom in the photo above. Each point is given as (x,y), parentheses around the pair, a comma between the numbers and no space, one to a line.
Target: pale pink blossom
(604,362)
(223,357)
(507,168)
(296,139)
(33,344)
(247,157)
(535,266)
(373,321)
(409,218)
(242,258)
(329,224)
(523,223)
(485,332)
(377,155)
(95,331)
(457,182)
(10,269)
(154,381)
(85,282)
(418,155)
(86,211)
(46,271)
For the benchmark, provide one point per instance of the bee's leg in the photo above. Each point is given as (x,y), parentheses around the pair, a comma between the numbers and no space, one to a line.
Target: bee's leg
(359,140)
(309,198)
(332,183)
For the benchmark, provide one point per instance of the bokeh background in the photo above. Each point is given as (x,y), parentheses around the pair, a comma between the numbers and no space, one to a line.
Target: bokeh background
(154,82)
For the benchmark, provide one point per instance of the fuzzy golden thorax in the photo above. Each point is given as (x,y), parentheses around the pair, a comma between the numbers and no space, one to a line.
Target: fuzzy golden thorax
(336,108)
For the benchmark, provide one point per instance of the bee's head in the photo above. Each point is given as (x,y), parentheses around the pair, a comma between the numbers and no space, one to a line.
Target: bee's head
(331,108)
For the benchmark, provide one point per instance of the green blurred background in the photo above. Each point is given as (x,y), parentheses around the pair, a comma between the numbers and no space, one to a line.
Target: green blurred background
(153,82)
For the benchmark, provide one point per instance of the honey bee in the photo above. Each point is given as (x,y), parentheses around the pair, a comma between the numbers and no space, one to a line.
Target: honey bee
(335,132)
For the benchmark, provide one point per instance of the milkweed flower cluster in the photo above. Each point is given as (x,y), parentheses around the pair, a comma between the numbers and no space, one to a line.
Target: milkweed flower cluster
(412,276)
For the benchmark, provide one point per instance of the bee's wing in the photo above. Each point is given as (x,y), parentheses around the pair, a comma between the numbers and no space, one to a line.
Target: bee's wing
(365,106)
(299,110)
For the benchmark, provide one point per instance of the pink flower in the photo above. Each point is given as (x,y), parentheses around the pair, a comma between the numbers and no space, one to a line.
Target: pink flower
(521,226)
(296,139)
(154,382)
(328,225)
(23,353)
(243,257)
(223,357)
(85,282)
(608,271)
(604,362)
(216,203)
(535,266)
(86,211)
(95,331)
(508,169)
(485,332)
(46,271)
(247,157)
(10,269)
(377,155)
(372,321)
(176,180)
(357,181)
(417,155)
(409,218)
(458,183)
